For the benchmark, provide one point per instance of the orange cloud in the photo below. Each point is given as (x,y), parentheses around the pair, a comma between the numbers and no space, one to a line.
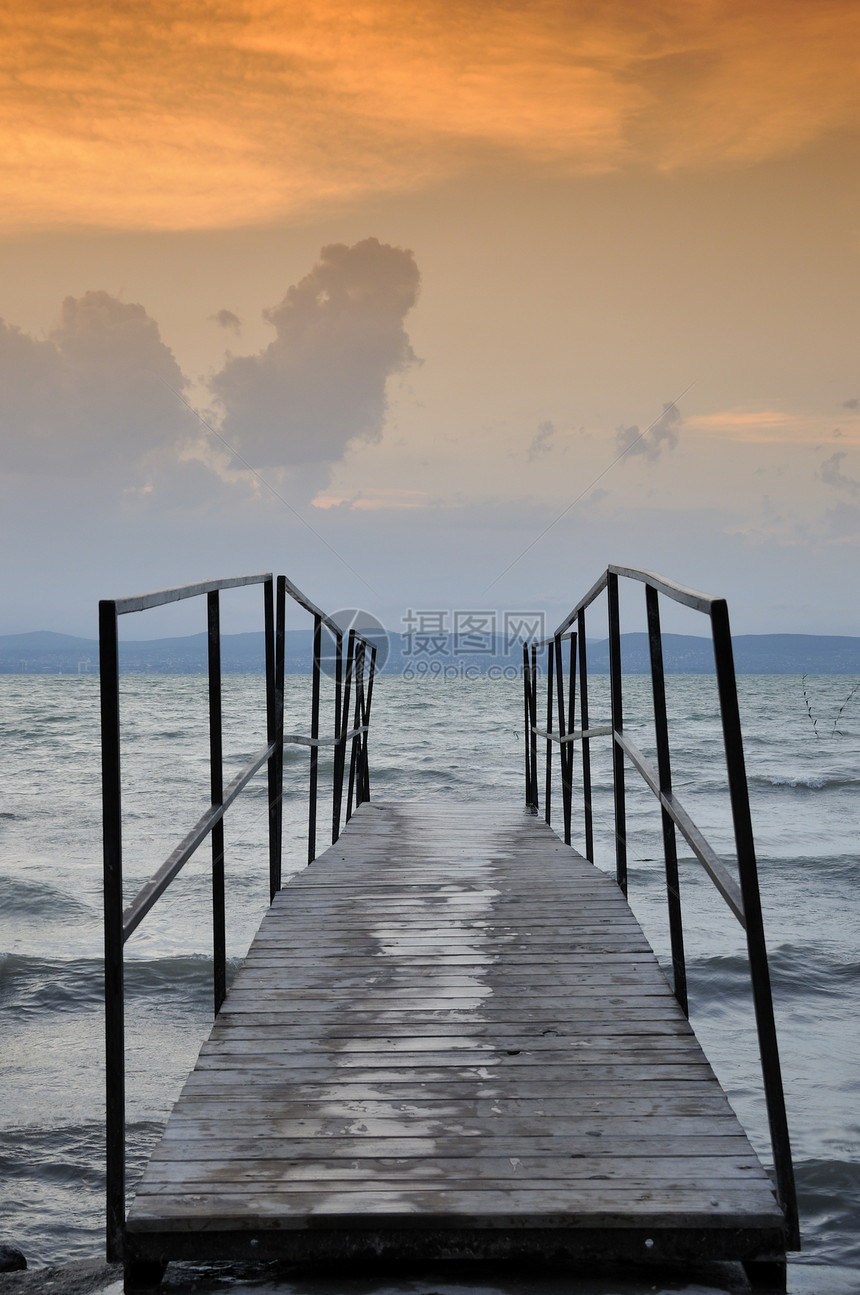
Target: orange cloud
(375,500)
(758,426)
(202,113)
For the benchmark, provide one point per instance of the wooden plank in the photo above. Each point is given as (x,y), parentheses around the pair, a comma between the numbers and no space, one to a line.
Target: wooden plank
(578,1134)
(587,1114)
(367,1034)
(722,1207)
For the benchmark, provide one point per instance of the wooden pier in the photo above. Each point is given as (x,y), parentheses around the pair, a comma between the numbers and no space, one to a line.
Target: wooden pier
(450,1037)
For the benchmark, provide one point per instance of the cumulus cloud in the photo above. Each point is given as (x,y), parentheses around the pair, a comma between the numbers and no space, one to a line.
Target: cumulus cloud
(92,395)
(542,440)
(661,435)
(320,384)
(832,474)
(97,398)
(227,319)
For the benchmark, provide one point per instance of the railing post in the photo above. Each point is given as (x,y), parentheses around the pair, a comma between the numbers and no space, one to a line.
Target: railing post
(216,785)
(356,776)
(354,790)
(527,746)
(618,727)
(587,809)
(664,767)
(357,658)
(550,673)
(365,736)
(315,751)
(355,750)
(532,729)
(748,878)
(565,725)
(114,941)
(274,639)
(337,755)
(280,654)
(344,726)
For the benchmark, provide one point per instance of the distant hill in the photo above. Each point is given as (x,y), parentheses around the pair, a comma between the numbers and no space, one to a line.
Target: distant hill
(754,654)
(44,652)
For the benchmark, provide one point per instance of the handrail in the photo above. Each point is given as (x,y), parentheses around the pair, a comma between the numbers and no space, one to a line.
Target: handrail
(743,896)
(349,729)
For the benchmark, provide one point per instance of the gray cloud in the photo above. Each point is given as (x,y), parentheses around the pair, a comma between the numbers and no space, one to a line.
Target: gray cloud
(91,396)
(854,403)
(227,319)
(832,474)
(320,383)
(844,521)
(661,435)
(542,440)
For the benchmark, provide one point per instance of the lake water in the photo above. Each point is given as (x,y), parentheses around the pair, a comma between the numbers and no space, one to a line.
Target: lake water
(459,739)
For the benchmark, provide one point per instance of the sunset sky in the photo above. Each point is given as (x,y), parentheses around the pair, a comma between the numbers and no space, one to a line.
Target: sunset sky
(426,272)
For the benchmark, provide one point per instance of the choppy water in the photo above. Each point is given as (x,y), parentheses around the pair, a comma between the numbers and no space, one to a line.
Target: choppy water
(458,739)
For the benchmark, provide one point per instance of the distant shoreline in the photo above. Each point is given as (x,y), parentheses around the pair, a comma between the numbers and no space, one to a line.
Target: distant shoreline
(48,653)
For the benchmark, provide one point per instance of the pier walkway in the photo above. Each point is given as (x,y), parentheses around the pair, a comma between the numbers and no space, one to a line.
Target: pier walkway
(450,1037)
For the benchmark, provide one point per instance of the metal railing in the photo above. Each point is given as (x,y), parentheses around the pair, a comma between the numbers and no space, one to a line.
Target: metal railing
(743,896)
(353,692)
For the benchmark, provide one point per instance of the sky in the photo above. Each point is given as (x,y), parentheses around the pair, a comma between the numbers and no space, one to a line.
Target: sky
(431,307)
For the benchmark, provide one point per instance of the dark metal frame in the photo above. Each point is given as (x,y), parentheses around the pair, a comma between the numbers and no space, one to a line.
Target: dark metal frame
(358,674)
(120,923)
(743,899)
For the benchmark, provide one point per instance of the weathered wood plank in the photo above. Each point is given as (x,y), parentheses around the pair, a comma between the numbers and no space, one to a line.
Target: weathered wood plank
(722,1207)
(578,1134)
(585,1113)
(614,1089)
(366,1035)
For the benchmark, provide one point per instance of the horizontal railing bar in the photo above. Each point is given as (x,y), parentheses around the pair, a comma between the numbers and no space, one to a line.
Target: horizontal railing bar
(678,593)
(710,861)
(141,602)
(575,735)
(160,597)
(368,643)
(158,883)
(594,592)
(355,732)
(303,601)
(299,739)
(543,643)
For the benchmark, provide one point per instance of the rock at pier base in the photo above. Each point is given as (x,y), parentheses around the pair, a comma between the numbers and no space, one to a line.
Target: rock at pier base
(79,1277)
(12,1259)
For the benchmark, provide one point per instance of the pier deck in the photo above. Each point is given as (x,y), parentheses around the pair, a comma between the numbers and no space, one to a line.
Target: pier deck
(450,1037)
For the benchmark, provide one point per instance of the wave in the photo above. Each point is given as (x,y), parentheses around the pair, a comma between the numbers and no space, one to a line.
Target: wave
(53,1185)
(796,971)
(65,1153)
(42,899)
(31,985)
(829,1199)
(185,976)
(808,782)
(801,870)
